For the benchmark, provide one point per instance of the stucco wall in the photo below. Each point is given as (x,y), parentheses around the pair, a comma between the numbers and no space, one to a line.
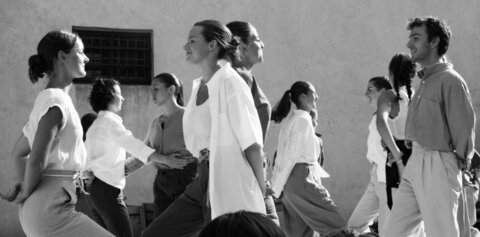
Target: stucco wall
(337,45)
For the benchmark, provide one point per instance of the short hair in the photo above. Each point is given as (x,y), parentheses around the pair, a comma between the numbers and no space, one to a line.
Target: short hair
(241,224)
(47,51)
(102,94)
(215,30)
(436,27)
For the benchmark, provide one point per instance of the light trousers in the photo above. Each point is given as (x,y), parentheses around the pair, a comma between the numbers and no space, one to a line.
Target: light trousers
(50,212)
(373,204)
(428,193)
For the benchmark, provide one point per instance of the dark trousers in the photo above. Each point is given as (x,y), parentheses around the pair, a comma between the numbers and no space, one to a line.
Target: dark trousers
(169,184)
(391,171)
(188,214)
(108,201)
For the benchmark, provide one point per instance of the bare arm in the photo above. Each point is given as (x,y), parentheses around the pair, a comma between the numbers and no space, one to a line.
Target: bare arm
(384,106)
(48,127)
(19,157)
(254,156)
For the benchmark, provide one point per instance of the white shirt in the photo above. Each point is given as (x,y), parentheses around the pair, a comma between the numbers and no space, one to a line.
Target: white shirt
(297,143)
(375,152)
(107,143)
(67,151)
(235,126)
(200,118)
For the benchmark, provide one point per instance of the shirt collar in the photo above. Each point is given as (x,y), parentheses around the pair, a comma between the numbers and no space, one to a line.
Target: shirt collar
(434,68)
(112,115)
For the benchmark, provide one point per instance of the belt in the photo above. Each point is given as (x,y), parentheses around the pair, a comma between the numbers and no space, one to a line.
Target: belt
(77,176)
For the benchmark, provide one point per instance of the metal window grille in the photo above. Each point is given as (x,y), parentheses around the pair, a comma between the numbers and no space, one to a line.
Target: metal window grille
(122,54)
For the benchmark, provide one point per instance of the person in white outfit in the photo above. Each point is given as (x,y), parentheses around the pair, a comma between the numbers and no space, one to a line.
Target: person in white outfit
(297,173)
(373,204)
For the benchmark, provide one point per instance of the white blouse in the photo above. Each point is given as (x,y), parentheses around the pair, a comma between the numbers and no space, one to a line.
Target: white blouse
(375,152)
(67,151)
(201,119)
(107,143)
(297,143)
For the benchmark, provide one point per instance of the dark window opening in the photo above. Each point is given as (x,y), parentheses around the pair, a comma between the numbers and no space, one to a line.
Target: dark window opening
(122,54)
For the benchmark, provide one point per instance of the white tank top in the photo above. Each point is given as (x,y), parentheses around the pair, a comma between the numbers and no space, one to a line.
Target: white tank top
(397,124)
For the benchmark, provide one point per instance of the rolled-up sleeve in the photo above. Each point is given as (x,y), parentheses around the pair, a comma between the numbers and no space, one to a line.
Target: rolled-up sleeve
(461,119)
(132,145)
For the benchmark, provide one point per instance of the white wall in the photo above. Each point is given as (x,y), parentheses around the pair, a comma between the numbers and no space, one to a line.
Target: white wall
(337,45)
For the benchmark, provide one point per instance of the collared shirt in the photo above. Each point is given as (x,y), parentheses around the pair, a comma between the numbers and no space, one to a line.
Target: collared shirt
(440,115)
(67,151)
(107,143)
(297,143)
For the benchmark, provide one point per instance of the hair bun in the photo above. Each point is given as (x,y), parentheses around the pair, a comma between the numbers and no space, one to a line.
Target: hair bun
(37,67)
(235,42)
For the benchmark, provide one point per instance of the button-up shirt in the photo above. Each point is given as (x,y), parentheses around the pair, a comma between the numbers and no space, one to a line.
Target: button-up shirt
(107,143)
(440,115)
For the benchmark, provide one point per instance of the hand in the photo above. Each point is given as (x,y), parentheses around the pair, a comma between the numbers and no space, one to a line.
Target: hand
(89,177)
(12,193)
(173,160)
(269,192)
(21,197)
(463,164)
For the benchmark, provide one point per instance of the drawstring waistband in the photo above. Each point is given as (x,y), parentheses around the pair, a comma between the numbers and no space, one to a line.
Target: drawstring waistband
(77,176)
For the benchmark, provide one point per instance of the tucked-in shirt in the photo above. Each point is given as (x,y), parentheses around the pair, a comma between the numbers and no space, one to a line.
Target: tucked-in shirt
(297,143)
(375,152)
(107,143)
(440,115)
(201,120)
(67,151)
(165,135)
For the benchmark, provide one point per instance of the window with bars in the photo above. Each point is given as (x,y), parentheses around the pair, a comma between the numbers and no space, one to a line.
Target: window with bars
(125,55)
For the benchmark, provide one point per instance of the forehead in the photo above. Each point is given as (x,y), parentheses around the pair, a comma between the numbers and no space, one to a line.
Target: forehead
(116,88)
(157,82)
(196,32)
(78,44)
(418,31)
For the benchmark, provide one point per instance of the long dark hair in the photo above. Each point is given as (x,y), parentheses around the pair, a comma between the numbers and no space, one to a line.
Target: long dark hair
(215,30)
(281,110)
(403,70)
(168,80)
(47,52)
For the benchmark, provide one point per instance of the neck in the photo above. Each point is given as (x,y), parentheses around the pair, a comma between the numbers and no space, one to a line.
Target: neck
(59,80)
(242,63)
(209,68)
(170,107)
(433,59)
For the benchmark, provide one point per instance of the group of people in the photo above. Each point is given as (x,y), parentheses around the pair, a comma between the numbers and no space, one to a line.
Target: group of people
(209,153)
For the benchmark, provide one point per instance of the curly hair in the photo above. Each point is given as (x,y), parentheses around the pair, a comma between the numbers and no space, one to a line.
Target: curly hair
(102,94)
(435,28)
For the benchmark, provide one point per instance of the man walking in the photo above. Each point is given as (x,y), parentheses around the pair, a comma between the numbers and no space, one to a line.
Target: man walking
(440,122)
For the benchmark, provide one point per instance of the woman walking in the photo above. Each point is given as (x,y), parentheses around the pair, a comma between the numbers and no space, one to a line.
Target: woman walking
(297,173)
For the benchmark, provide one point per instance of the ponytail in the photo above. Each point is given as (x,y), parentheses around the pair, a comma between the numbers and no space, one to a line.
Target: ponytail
(282,108)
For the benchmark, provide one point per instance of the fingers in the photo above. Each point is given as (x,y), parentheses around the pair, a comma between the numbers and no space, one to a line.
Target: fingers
(12,193)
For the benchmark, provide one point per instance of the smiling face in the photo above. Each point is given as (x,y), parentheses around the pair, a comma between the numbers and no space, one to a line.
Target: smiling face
(118,99)
(420,48)
(75,61)
(196,48)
